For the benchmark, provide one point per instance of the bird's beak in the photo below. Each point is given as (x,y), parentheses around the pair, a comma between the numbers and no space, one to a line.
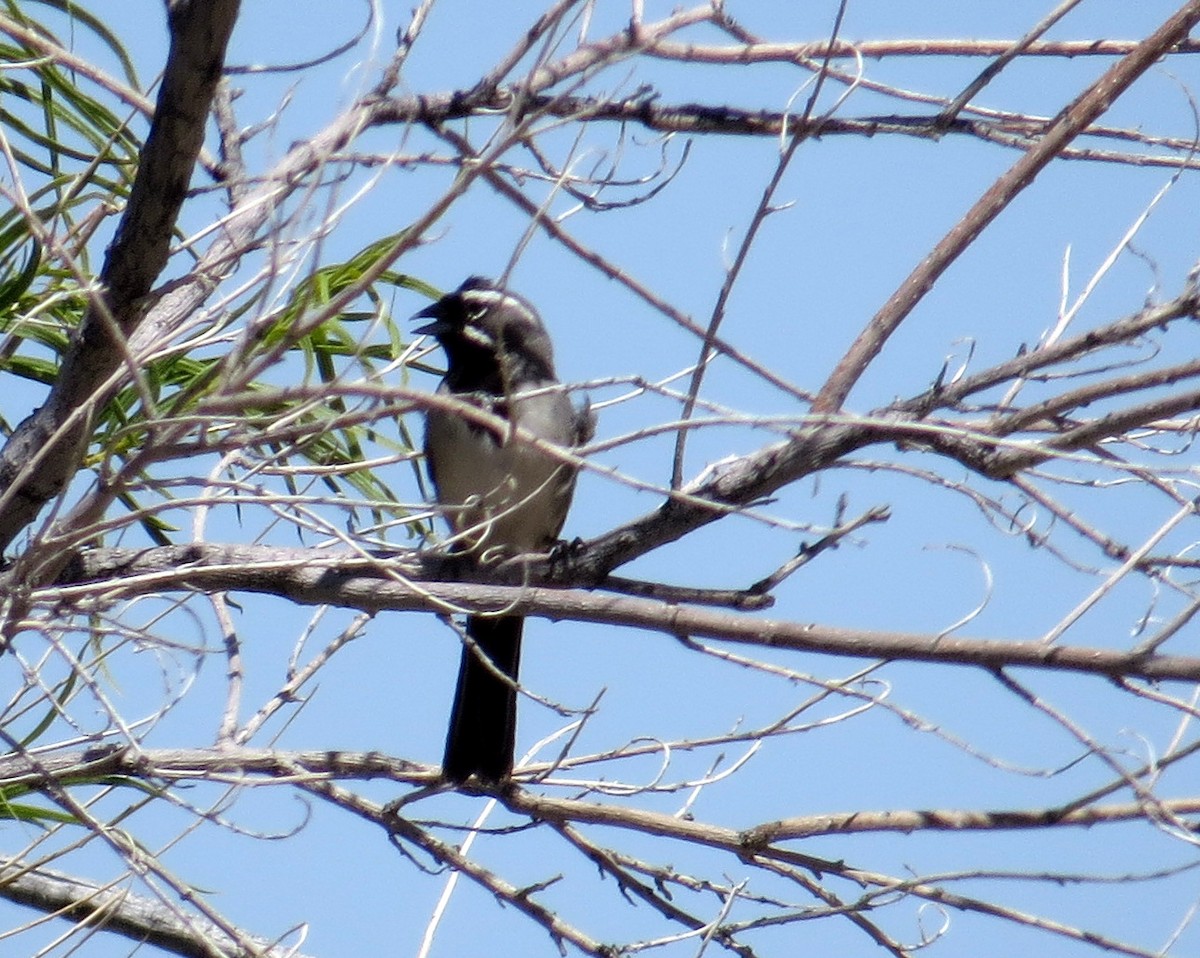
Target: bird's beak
(438,326)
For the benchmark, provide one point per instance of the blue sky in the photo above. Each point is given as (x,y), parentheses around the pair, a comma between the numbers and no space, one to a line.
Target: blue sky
(862,213)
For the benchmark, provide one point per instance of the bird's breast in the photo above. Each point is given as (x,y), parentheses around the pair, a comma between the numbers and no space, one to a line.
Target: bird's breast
(499,489)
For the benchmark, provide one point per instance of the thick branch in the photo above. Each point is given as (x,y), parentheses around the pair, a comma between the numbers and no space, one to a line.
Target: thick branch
(907,821)
(19,770)
(231,764)
(45,449)
(115,909)
(651,113)
(758,845)
(878,49)
(377,585)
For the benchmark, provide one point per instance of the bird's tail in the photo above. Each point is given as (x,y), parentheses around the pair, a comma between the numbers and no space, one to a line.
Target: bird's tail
(483,725)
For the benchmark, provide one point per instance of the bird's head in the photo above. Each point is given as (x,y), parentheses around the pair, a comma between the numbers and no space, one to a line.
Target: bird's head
(489,332)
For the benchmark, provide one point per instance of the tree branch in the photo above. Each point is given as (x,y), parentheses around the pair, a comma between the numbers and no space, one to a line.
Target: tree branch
(398,584)
(134,916)
(44,451)
(762,52)
(1073,120)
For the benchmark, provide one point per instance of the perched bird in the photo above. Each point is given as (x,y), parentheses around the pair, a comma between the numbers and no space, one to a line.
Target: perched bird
(501,494)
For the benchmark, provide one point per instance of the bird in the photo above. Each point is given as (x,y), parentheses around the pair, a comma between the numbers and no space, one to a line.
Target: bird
(500,494)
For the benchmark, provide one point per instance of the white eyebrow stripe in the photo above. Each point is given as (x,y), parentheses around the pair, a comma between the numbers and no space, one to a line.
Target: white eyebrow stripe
(494,297)
(487,296)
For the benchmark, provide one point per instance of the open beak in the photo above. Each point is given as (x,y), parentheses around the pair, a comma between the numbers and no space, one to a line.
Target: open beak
(438,326)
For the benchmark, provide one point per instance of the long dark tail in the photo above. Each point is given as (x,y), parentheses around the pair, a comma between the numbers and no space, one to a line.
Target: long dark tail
(483,725)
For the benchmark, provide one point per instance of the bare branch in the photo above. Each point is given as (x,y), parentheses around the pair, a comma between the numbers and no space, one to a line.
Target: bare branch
(132,916)
(1073,120)
(376,585)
